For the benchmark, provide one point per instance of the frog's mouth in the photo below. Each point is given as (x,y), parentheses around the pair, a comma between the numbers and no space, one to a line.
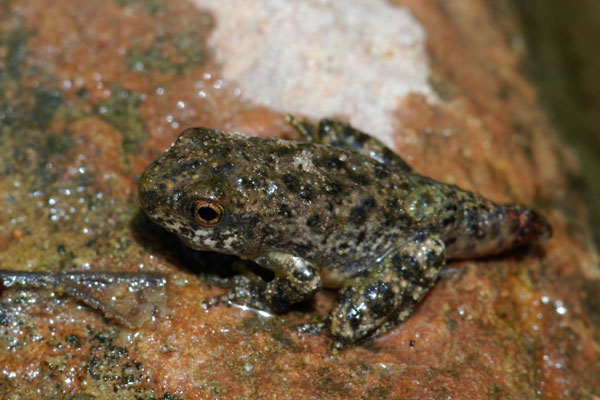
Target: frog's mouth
(194,246)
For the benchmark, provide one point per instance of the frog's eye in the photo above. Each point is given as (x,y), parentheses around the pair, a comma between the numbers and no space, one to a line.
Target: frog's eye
(208,212)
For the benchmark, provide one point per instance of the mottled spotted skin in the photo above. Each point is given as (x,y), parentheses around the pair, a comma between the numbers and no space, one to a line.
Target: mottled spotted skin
(340,210)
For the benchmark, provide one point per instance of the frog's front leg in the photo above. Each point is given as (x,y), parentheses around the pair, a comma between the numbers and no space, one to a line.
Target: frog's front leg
(339,134)
(296,280)
(388,295)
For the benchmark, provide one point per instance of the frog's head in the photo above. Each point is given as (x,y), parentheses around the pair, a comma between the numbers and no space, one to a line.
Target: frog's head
(189,190)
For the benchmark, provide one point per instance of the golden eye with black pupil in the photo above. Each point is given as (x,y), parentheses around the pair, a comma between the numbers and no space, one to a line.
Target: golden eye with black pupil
(208,212)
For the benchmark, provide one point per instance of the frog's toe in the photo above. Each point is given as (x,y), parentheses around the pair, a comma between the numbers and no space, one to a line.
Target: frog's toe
(360,310)
(216,280)
(226,299)
(215,301)
(322,326)
(336,346)
(313,327)
(244,290)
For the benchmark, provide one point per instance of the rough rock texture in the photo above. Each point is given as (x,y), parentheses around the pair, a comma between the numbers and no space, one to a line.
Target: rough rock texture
(91,92)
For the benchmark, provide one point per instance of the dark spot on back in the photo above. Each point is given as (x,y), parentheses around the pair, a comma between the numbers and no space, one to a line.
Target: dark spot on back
(361,179)
(404,220)
(249,183)
(426,197)
(361,237)
(223,168)
(282,150)
(285,211)
(404,186)
(343,246)
(332,162)
(473,229)
(381,171)
(313,221)
(306,194)
(360,213)
(292,183)
(333,187)
(329,206)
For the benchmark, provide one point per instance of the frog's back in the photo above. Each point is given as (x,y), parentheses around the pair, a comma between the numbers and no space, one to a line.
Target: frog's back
(344,208)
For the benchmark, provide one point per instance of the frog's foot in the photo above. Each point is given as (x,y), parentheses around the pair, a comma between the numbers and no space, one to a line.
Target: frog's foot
(401,315)
(296,279)
(388,295)
(246,290)
(227,281)
(313,327)
(219,281)
(321,326)
(339,134)
(303,127)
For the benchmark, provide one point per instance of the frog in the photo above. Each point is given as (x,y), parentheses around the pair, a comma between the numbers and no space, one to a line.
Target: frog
(338,209)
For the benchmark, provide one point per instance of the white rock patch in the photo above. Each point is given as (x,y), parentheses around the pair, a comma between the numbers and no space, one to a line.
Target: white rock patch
(322,58)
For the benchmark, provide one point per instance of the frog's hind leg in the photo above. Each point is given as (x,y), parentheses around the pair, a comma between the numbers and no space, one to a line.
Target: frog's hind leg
(339,134)
(390,292)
